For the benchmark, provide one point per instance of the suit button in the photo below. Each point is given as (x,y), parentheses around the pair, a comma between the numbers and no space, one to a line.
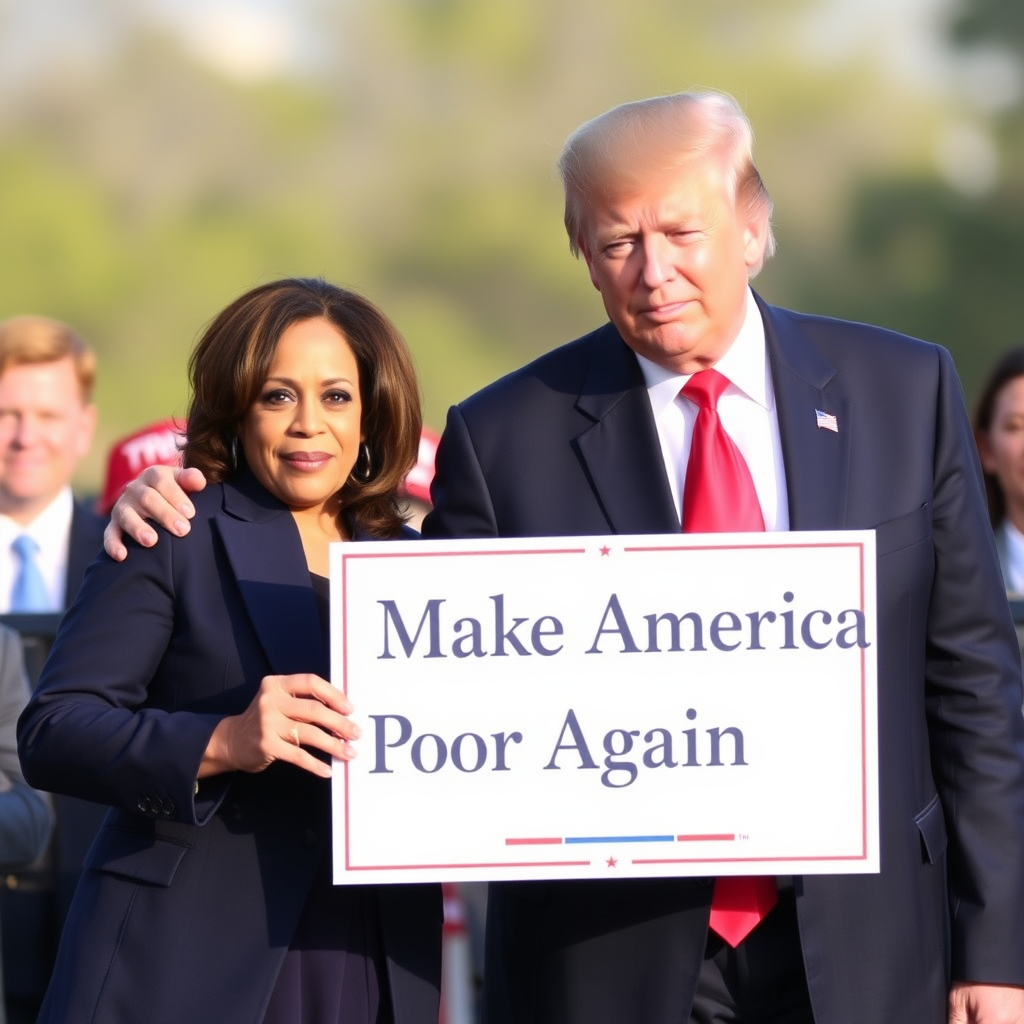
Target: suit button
(167,806)
(145,805)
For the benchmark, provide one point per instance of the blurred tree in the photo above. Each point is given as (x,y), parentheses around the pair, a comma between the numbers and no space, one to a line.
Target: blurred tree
(938,251)
(410,154)
(986,21)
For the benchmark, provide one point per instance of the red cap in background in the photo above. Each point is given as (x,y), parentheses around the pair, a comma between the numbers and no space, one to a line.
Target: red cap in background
(159,444)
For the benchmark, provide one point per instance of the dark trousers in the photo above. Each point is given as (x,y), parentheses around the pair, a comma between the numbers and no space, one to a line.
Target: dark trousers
(762,980)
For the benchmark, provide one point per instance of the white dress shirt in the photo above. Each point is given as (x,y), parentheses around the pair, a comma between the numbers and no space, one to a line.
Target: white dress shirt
(746,409)
(1013,556)
(51,530)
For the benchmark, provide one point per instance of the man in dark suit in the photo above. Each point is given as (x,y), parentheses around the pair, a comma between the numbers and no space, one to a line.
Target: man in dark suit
(841,426)
(47,421)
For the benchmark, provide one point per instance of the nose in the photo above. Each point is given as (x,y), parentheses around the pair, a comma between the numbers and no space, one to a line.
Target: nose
(25,430)
(307,417)
(657,261)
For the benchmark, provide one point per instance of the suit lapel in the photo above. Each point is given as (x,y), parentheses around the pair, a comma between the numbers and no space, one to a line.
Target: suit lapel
(84,542)
(263,546)
(620,449)
(816,459)
(622,454)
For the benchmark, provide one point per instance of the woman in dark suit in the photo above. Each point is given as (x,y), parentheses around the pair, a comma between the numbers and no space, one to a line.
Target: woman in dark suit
(187,690)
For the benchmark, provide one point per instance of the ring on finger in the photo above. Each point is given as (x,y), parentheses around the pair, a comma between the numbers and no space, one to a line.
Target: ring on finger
(293,735)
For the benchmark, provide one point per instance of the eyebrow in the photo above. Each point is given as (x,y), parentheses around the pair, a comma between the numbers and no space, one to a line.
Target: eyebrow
(324,383)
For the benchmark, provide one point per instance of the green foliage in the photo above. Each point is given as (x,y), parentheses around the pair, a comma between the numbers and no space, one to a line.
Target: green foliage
(414,161)
(987,21)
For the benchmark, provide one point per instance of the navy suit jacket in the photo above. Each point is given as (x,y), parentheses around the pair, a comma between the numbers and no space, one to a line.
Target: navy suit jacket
(568,445)
(84,545)
(191,894)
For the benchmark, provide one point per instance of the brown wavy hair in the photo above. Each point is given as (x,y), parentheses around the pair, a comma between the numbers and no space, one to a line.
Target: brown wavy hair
(230,363)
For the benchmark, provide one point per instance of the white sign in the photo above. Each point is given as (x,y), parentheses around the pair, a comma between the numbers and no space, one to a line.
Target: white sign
(584,707)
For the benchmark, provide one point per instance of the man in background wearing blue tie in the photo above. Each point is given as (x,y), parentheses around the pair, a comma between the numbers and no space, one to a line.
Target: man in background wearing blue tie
(47,538)
(47,421)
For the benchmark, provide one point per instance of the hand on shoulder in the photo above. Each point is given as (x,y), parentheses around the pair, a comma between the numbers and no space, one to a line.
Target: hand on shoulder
(159,494)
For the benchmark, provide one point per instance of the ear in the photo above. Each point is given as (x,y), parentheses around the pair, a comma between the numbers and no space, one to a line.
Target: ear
(755,238)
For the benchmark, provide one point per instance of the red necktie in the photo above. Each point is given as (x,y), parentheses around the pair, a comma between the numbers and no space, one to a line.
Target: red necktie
(719,497)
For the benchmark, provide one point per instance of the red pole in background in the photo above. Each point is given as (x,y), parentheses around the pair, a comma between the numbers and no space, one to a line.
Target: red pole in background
(457,999)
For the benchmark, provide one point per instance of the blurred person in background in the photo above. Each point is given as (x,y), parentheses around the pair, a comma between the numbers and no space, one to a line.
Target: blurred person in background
(188,690)
(26,818)
(999,433)
(47,422)
(47,538)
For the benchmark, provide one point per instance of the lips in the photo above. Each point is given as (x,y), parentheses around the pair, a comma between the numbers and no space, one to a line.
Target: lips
(306,461)
(665,313)
(24,465)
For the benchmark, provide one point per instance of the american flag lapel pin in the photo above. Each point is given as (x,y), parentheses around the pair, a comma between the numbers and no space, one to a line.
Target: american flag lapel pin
(826,421)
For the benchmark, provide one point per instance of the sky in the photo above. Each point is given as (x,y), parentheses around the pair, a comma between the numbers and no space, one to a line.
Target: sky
(254,39)
(904,37)
(246,40)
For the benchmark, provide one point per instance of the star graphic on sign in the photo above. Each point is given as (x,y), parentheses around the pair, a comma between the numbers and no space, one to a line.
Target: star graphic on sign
(612,862)
(605,551)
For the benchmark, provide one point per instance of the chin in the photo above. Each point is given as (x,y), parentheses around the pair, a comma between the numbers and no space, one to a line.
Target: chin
(672,351)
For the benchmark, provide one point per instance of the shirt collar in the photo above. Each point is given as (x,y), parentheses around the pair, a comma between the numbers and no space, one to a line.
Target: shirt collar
(50,526)
(1013,570)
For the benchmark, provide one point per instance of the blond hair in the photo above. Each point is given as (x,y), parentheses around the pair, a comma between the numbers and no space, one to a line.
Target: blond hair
(27,340)
(621,146)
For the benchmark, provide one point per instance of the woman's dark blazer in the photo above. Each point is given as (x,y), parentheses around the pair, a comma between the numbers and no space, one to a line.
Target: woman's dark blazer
(191,893)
